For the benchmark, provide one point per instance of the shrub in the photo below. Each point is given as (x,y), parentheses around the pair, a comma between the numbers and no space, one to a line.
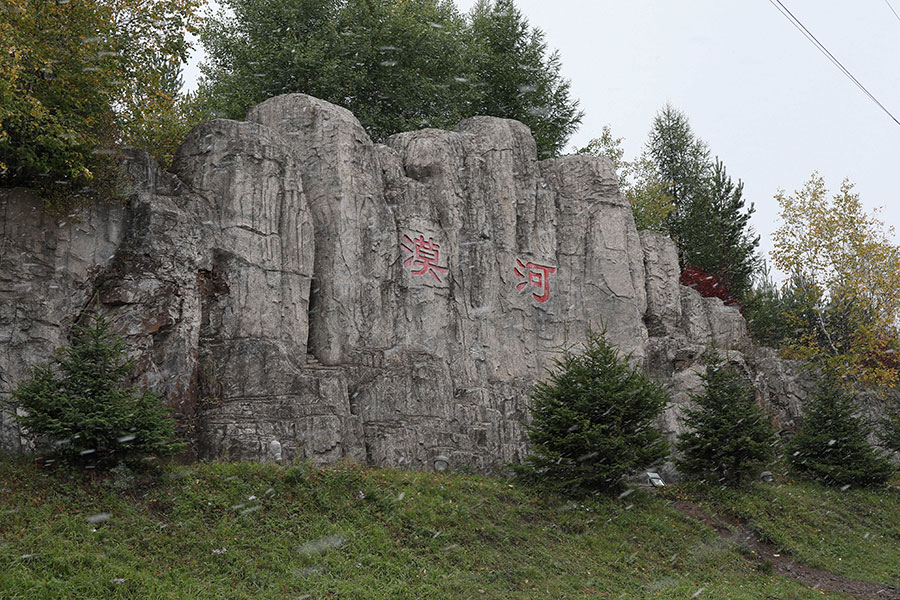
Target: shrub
(729,434)
(592,422)
(831,444)
(708,284)
(77,404)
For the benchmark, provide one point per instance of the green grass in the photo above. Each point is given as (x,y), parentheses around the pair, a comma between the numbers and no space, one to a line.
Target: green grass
(852,532)
(352,532)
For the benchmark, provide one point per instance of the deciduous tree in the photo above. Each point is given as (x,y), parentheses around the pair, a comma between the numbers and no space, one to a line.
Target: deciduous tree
(851,274)
(80,77)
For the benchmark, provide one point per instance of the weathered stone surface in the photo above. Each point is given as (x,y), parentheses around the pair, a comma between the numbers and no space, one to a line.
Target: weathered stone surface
(48,267)
(293,281)
(782,386)
(355,231)
(663,316)
(708,321)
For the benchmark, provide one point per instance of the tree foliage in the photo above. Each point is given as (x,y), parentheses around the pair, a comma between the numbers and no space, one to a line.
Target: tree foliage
(651,205)
(831,444)
(80,77)
(78,404)
(715,235)
(398,65)
(729,435)
(592,422)
(516,77)
(676,189)
(681,159)
(850,274)
(709,222)
(768,308)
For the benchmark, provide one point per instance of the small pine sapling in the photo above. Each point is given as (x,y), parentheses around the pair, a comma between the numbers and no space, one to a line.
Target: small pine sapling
(729,435)
(831,443)
(592,422)
(78,405)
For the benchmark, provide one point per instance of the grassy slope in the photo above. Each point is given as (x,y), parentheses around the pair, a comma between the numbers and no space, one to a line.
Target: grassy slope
(349,532)
(855,533)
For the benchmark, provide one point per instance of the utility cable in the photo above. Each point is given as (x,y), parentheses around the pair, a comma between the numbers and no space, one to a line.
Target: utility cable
(796,23)
(892,9)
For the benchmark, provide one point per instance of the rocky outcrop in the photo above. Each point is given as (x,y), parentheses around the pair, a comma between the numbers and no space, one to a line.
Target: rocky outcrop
(292,281)
(48,267)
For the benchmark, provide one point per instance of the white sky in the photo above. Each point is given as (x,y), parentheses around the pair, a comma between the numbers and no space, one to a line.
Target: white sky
(769,104)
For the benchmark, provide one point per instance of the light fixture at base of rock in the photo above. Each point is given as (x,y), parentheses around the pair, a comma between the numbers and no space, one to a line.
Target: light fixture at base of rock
(655,480)
(441,463)
(275,450)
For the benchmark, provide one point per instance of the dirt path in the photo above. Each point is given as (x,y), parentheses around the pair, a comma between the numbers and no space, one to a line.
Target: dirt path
(817,579)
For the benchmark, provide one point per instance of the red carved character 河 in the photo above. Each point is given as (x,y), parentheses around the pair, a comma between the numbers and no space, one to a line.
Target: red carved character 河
(535,275)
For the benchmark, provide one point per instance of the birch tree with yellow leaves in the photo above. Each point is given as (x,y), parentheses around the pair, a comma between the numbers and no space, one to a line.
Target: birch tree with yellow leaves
(843,261)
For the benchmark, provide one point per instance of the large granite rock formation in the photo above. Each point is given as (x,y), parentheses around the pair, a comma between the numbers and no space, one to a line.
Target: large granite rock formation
(291,280)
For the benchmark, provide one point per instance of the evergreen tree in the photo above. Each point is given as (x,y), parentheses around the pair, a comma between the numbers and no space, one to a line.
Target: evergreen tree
(709,221)
(831,444)
(398,66)
(728,435)
(714,232)
(890,422)
(681,159)
(770,310)
(77,402)
(592,422)
(517,78)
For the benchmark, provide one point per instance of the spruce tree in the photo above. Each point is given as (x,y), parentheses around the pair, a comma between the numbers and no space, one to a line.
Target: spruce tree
(708,221)
(78,405)
(729,434)
(715,235)
(592,422)
(831,444)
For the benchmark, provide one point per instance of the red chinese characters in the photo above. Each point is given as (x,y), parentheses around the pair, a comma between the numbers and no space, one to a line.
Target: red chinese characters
(535,275)
(423,256)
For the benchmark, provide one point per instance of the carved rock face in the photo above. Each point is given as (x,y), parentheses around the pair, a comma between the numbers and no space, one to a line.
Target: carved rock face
(292,281)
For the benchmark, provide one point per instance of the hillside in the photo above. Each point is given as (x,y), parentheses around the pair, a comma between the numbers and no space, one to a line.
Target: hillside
(239,530)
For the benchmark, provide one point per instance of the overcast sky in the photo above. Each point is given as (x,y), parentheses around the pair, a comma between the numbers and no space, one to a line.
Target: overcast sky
(768,103)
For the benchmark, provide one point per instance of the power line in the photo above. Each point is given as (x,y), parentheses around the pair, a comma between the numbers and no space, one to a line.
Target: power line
(892,9)
(796,23)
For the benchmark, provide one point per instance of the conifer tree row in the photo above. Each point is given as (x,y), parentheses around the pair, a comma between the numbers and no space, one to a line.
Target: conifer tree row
(398,66)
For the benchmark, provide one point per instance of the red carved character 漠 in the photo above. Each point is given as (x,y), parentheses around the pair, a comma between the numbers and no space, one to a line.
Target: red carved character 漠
(535,275)
(423,256)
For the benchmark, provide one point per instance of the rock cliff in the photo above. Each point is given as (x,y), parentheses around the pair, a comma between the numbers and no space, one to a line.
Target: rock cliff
(290,280)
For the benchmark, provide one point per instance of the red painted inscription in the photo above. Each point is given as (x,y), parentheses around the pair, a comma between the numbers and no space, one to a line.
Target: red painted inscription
(535,275)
